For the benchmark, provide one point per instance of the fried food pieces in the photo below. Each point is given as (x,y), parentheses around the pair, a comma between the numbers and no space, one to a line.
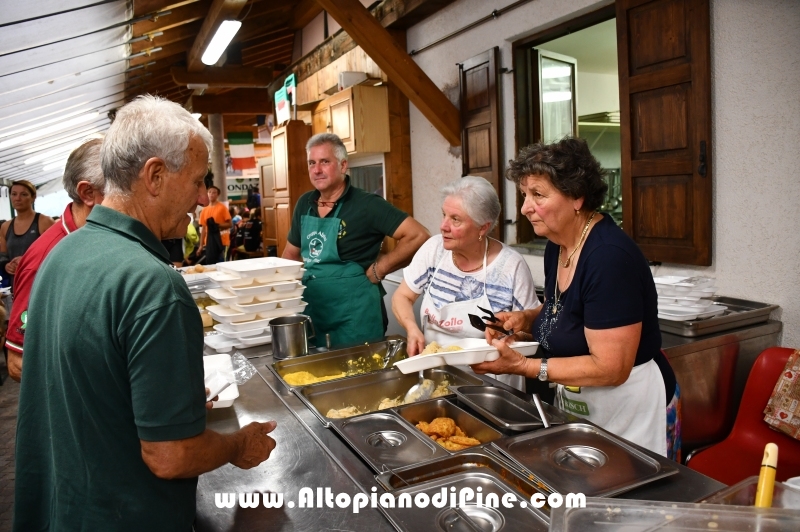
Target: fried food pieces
(445,432)
(434,347)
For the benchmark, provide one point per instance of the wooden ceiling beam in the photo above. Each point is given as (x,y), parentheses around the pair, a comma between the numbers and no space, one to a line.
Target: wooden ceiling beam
(236,77)
(166,51)
(277,37)
(178,33)
(254,27)
(178,16)
(303,13)
(143,7)
(401,69)
(240,101)
(220,11)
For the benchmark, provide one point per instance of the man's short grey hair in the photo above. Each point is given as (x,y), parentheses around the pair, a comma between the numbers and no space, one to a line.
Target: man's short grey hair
(319,139)
(478,197)
(84,165)
(147,127)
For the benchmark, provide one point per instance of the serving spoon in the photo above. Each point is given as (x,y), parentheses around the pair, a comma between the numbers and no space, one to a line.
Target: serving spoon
(420,391)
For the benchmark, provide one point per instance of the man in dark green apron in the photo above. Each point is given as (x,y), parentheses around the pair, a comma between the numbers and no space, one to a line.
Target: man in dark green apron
(337,231)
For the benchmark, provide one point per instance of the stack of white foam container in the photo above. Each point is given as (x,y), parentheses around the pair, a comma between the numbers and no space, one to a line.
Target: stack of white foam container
(683,298)
(251,293)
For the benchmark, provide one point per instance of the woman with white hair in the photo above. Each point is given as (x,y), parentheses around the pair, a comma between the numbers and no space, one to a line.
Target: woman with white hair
(462,269)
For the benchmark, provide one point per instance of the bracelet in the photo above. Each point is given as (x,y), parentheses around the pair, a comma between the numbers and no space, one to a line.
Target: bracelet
(375,271)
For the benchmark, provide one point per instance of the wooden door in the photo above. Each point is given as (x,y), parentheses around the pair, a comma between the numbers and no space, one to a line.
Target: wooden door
(341,106)
(665,113)
(267,207)
(480,120)
(280,163)
(283,221)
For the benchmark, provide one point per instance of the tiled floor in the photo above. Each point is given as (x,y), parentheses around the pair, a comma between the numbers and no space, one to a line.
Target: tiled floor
(9,399)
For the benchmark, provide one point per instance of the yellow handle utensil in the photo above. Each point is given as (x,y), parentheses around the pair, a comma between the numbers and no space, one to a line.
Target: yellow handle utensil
(766,478)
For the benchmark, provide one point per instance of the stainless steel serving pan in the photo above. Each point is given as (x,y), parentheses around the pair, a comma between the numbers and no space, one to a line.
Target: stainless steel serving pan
(740,312)
(582,458)
(430,410)
(358,360)
(506,409)
(367,391)
(474,470)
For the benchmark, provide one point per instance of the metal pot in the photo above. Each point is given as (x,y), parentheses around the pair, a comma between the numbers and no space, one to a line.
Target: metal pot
(290,337)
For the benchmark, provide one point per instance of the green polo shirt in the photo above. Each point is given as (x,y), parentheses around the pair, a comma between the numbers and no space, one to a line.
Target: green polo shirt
(113,355)
(366,219)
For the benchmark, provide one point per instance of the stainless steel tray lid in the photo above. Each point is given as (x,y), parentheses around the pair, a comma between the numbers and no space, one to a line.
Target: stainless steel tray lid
(581,458)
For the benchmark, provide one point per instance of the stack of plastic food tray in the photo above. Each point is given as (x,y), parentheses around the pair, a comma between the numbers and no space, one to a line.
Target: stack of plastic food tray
(683,298)
(251,293)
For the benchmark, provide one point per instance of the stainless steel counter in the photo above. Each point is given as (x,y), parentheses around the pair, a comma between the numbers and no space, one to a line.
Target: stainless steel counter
(309,455)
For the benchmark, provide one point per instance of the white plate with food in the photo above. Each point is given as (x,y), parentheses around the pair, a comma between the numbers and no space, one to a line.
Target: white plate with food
(461,352)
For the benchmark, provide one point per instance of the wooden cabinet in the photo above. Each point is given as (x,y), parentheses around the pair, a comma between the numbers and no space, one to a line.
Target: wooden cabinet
(359,115)
(289,177)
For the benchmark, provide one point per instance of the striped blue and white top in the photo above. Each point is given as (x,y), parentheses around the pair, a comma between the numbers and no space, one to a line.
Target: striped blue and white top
(509,284)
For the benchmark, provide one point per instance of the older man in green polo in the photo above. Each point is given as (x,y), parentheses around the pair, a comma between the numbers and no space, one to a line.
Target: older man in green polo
(111,431)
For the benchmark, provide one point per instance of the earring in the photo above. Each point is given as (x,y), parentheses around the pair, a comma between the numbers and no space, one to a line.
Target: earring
(479,237)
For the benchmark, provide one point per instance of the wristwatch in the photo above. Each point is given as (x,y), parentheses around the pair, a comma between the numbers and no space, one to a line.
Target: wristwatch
(543,370)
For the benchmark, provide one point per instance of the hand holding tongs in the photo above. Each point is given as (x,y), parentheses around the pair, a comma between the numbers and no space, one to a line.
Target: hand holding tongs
(479,324)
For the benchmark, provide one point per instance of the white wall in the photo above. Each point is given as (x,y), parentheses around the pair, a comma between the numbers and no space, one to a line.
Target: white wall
(755,121)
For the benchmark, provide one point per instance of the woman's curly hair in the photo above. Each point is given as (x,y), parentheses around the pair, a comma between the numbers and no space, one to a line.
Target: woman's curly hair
(569,164)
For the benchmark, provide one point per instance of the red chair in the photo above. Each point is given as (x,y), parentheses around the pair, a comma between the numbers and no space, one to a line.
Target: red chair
(739,455)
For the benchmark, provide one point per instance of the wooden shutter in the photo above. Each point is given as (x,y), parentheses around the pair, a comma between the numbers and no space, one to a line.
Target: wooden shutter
(665,112)
(480,120)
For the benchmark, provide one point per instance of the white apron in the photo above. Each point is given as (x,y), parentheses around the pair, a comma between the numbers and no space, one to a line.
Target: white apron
(451,323)
(625,410)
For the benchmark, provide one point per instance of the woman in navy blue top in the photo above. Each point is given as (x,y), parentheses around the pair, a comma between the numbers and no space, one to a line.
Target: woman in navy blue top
(598,327)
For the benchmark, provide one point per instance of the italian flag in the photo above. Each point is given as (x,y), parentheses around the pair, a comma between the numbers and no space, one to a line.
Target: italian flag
(243,152)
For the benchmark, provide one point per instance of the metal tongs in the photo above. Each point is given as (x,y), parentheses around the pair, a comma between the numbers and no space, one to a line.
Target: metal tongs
(478,322)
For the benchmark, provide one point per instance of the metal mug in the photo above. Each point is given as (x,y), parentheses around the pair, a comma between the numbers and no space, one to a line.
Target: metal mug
(290,337)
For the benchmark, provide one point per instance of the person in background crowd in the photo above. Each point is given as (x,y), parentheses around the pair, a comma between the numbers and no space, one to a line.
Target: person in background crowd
(337,231)
(236,219)
(17,234)
(253,198)
(83,180)
(111,432)
(219,213)
(251,232)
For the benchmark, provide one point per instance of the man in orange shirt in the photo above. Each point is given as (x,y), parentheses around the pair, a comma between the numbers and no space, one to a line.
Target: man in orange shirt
(219,212)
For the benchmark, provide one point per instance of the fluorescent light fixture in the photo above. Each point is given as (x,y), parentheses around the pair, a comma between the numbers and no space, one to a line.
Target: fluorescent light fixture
(55,166)
(556,96)
(44,123)
(197,116)
(43,132)
(46,155)
(225,33)
(553,72)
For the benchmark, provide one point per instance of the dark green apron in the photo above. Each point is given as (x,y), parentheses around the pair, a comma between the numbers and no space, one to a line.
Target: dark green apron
(342,301)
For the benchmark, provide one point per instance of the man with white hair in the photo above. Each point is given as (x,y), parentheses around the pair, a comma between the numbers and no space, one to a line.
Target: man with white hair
(111,433)
(83,180)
